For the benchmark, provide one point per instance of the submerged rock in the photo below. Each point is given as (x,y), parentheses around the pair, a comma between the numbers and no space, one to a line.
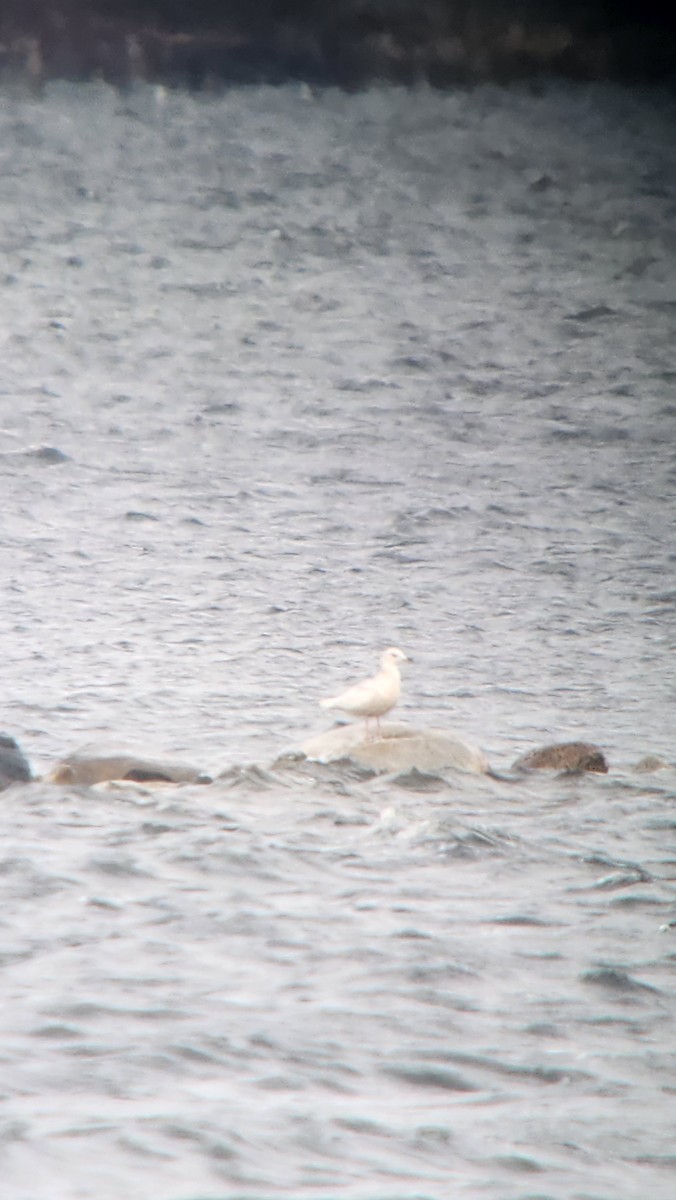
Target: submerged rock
(565,756)
(650,763)
(14,767)
(398,748)
(86,768)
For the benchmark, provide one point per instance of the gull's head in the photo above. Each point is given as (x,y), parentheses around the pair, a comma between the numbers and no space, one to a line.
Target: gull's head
(393,655)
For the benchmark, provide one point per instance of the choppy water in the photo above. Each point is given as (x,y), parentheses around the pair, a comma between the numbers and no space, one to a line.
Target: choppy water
(322,374)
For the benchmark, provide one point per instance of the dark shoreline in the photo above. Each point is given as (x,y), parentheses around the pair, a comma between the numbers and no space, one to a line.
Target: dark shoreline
(349,45)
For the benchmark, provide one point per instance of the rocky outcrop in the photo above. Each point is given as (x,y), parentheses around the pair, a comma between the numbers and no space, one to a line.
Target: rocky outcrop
(398,748)
(87,767)
(14,767)
(565,756)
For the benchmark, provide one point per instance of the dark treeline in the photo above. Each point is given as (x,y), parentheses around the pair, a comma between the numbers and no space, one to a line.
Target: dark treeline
(350,43)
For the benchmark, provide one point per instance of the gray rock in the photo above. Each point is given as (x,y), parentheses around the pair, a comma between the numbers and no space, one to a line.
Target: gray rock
(14,767)
(399,748)
(86,768)
(565,756)
(650,763)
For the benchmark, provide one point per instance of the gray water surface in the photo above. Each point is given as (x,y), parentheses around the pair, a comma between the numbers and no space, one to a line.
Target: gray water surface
(287,379)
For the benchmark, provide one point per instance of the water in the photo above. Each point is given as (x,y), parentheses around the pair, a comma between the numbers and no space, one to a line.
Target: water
(286,379)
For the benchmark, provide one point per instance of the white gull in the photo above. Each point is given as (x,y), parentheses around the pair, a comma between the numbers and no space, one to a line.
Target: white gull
(375,696)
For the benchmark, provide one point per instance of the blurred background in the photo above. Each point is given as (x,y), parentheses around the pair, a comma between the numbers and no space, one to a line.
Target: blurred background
(350,43)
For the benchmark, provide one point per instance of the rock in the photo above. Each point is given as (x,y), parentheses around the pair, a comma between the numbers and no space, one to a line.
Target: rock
(651,762)
(399,748)
(48,454)
(565,756)
(14,767)
(86,768)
